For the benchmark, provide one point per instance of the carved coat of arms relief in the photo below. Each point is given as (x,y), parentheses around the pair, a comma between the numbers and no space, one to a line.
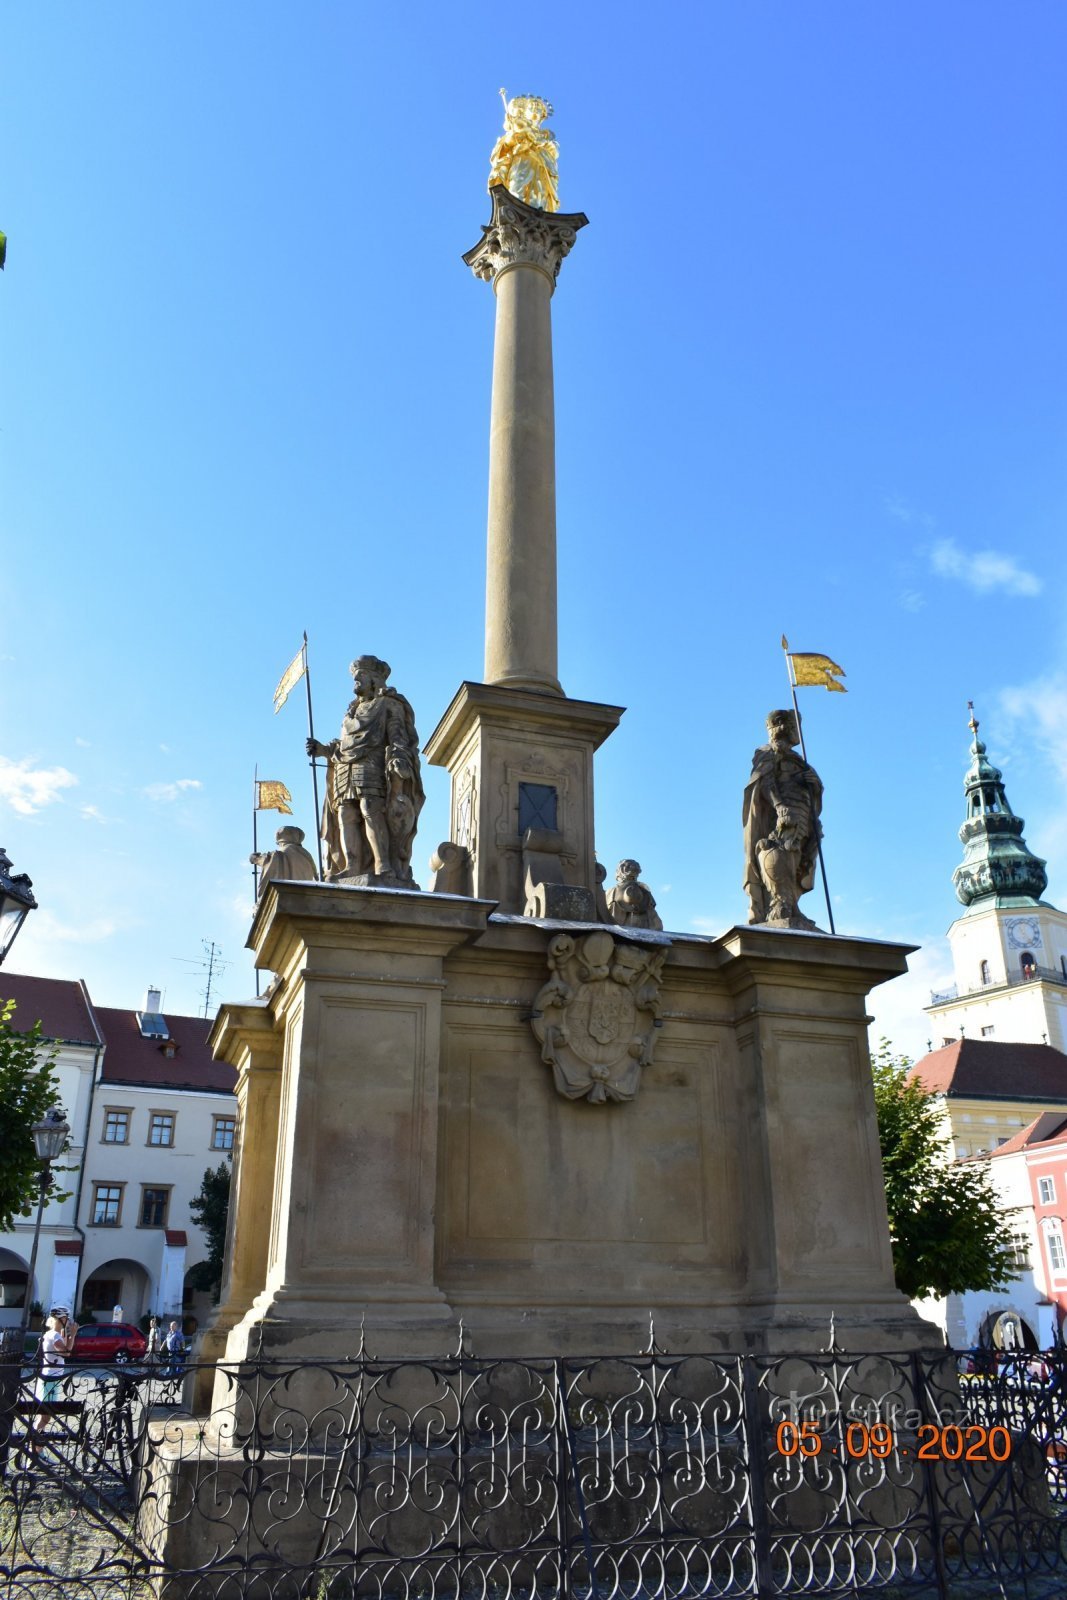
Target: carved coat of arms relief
(596,1018)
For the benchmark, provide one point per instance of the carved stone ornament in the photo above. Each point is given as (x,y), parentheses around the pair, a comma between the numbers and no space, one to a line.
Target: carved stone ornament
(597,1017)
(520,235)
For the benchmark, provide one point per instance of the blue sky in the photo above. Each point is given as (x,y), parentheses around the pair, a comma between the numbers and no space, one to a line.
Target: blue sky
(809,368)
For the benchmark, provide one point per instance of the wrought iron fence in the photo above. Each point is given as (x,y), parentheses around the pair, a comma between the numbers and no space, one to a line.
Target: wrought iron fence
(610,1478)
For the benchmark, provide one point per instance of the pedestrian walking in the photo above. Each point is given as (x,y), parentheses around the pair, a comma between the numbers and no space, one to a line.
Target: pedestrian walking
(174,1346)
(57,1342)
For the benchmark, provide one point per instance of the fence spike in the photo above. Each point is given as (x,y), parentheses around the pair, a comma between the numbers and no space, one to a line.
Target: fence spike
(652,1348)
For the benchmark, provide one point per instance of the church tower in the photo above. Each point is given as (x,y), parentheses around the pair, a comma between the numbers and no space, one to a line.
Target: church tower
(1009,948)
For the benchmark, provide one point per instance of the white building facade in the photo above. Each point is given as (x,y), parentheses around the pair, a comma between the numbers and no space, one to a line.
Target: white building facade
(150,1113)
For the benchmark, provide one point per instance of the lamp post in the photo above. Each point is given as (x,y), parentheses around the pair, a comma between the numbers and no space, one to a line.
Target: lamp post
(49,1138)
(16,902)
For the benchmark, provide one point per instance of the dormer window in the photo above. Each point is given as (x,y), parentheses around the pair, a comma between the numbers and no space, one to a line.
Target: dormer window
(984,970)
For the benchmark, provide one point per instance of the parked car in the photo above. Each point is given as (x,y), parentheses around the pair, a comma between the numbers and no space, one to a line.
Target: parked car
(107,1342)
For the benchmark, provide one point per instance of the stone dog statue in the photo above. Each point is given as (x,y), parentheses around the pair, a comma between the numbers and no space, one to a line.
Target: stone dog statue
(783,800)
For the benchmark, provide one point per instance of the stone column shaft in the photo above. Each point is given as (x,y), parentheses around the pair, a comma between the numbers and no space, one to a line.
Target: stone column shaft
(521,252)
(520,578)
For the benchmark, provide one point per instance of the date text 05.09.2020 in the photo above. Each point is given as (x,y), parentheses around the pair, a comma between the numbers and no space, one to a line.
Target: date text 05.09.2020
(877,1439)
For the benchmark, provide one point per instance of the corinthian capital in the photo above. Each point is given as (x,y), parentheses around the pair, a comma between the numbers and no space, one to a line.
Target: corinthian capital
(518,235)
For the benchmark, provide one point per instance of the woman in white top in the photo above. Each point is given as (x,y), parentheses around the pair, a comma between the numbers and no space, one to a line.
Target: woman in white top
(56,1344)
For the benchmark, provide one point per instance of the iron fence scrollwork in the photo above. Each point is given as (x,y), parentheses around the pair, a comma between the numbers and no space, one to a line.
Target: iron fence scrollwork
(607,1478)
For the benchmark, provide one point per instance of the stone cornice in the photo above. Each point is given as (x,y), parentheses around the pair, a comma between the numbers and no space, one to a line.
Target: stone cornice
(518,235)
(243,1025)
(553,715)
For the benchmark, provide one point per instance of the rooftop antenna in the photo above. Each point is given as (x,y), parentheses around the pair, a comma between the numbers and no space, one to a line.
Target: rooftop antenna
(211,965)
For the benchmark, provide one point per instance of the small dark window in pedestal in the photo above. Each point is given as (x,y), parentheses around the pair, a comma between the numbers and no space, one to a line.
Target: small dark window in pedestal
(537,807)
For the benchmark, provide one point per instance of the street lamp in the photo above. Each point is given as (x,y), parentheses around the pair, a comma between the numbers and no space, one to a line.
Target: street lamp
(49,1140)
(16,902)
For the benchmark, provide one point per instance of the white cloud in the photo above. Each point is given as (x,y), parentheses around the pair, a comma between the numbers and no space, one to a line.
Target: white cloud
(48,929)
(912,600)
(712,925)
(83,744)
(901,511)
(94,814)
(171,791)
(897,1006)
(1038,710)
(984,571)
(27,789)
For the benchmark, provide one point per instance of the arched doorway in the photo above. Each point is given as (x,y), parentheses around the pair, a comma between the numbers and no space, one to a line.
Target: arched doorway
(120,1282)
(1004,1329)
(14,1273)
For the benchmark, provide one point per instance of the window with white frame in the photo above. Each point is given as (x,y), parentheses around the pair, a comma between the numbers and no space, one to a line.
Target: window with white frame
(161,1128)
(1046,1190)
(222,1132)
(1057,1255)
(116,1125)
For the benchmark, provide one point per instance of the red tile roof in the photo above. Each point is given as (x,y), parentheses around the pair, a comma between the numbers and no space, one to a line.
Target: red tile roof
(60,1005)
(68,1247)
(131,1058)
(1045,1127)
(176,1236)
(991,1069)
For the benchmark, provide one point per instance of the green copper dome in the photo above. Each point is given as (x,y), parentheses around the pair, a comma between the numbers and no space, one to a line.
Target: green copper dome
(997,868)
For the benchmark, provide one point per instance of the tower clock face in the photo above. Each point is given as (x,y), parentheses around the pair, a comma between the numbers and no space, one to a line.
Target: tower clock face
(1024,933)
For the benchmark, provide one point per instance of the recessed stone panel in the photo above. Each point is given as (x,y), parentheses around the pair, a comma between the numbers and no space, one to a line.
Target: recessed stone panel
(368,1085)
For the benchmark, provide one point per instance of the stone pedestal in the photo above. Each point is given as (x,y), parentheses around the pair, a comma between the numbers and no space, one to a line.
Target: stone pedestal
(425,1168)
(246,1036)
(519,760)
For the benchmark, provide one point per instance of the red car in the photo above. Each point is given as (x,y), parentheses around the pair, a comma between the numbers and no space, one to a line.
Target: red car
(105,1342)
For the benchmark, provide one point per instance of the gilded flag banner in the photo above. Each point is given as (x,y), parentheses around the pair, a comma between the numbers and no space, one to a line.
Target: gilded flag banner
(272,796)
(290,678)
(809,669)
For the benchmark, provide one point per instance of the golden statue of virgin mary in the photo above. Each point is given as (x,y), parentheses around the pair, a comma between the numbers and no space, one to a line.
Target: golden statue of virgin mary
(525,158)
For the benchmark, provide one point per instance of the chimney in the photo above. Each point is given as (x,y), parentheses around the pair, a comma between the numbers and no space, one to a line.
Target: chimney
(150,1020)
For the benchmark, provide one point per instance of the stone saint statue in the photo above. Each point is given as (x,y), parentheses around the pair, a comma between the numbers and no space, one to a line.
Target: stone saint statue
(288,861)
(631,903)
(374,787)
(782,803)
(525,157)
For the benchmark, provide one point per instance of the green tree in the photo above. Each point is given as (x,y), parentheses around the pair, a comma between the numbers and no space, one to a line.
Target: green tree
(948,1229)
(209,1211)
(28,1088)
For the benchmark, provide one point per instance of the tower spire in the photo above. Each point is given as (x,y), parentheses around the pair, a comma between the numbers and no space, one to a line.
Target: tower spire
(997,867)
